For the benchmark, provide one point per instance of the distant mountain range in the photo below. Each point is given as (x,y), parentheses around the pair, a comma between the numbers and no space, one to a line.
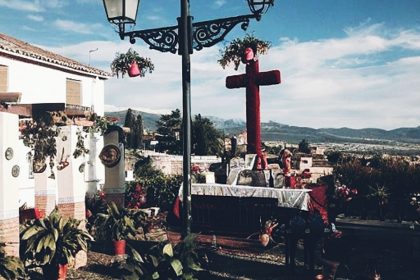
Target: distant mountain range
(273,131)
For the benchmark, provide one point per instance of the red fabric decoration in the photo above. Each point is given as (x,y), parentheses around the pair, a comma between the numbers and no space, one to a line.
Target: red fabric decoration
(252,80)
(318,201)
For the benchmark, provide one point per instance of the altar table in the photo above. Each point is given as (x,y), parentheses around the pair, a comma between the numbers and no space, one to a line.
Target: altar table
(288,198)
(242,208)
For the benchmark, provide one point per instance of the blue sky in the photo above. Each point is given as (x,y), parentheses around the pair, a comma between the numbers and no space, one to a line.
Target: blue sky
(344,63)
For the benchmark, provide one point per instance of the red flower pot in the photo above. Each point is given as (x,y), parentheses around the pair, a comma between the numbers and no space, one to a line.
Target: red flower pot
(134,70)
(119,247)
(55,272)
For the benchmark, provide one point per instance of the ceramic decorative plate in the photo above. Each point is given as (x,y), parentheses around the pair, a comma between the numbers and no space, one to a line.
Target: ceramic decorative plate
(110,155)
(15,170)
(82,168)
(9,153)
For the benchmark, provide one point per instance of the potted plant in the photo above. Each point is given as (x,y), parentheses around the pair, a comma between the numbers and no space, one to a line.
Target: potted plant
(52,243)
(131,63)
(235,50)
(10,267)
(116,224)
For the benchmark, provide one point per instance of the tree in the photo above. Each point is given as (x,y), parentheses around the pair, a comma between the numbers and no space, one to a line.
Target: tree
(135,136)
(304,147)
(129,122)
(206,139)
(169,133)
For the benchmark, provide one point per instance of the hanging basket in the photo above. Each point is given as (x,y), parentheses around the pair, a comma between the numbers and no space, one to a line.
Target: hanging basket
(134,70)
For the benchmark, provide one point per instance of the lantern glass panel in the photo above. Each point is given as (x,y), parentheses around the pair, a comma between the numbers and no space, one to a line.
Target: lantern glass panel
(131,7)
(113,9)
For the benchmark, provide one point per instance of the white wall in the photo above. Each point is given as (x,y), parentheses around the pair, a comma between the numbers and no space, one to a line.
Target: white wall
(40,84)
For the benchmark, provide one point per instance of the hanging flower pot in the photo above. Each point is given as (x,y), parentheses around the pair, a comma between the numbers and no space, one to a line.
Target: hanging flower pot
(119,247)
(134,70)
(131,63)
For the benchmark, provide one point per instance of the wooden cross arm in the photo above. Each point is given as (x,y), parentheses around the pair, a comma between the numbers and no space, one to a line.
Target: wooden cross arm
(236,81)
(269,78)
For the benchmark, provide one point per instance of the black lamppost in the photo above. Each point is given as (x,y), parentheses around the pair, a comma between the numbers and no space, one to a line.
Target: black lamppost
(183,38)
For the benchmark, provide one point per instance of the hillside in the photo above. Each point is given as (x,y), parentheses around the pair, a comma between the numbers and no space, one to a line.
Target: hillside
(273,131)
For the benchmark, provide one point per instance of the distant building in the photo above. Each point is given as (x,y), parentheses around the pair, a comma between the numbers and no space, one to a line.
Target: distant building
(316,164)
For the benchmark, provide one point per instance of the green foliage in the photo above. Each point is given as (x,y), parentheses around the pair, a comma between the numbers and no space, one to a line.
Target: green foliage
(169,133)
(52,240)
(206,139)
(80,150)
(163,261)
(380,181)
(334,157)
(100,124)
(235,51)
(10,267)
(115,224)
(143,168)
(304,147)
(161,190)
(40,135)
(122,62)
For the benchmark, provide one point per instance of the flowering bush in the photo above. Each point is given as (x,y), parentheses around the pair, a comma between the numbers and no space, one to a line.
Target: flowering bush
(135,196)
(196,174)
(415,200)
(345,193)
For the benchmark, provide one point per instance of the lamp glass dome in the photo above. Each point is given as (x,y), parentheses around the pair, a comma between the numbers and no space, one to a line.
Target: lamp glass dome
(121,11)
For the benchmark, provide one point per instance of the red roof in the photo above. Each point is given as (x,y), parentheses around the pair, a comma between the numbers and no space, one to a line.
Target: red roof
(21,48)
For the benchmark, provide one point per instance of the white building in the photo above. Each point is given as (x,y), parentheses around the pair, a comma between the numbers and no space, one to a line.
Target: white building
(40,76)
(35,80)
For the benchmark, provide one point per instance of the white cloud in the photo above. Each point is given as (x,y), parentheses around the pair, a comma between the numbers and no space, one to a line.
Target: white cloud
(361,80)
(21,5)
(76,27)
(37,18)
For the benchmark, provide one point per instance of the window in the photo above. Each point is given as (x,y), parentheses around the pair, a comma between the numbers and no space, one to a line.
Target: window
(3,78)
(73,92)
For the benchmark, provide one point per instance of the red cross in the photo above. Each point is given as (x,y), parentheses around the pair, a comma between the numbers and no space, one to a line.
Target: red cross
(252,80)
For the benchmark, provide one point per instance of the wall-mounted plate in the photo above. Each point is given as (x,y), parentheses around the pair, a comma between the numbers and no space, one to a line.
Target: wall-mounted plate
(15,171)
(110,155)
(9,153)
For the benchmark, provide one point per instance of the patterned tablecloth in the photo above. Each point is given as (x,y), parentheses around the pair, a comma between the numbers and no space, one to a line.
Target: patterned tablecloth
(289,198)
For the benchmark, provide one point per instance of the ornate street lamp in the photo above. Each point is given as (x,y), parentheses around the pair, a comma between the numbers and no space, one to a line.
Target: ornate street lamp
(259,7)
(184,38)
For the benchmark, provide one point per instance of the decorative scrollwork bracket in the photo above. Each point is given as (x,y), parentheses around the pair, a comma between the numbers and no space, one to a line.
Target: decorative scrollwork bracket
(204,33)
(208,33)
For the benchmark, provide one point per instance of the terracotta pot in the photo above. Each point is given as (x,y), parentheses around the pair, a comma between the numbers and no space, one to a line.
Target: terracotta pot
(134,70)
(55,272)
(119,247)
(264,239)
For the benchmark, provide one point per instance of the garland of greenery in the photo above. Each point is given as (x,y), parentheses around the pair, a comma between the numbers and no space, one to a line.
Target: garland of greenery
(41,133)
